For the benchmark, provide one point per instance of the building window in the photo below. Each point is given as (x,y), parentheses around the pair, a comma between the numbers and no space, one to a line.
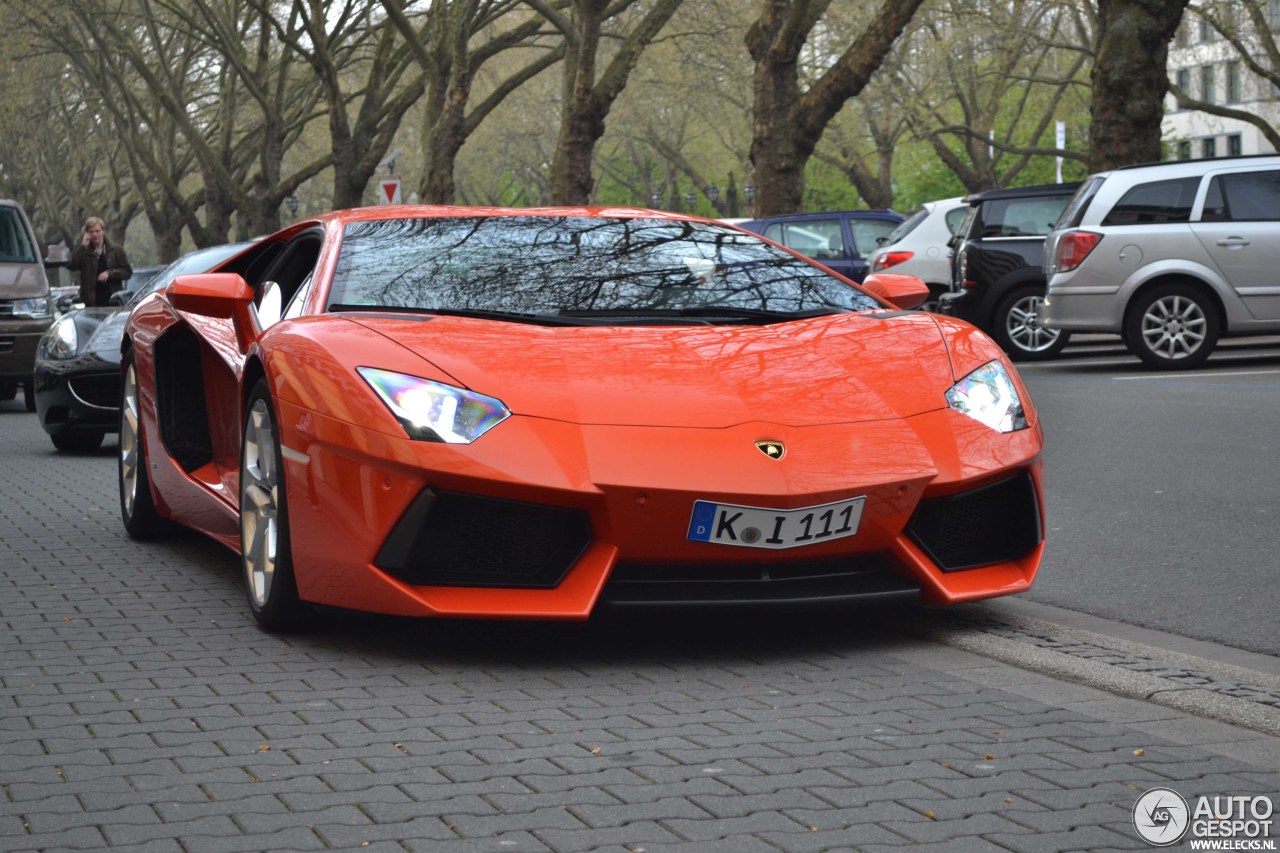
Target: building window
(1182,79)
(1234,95)
(1235,145)
(1273,14)
(1184,149)
(1207,33)
(1208,87)
(1209,147)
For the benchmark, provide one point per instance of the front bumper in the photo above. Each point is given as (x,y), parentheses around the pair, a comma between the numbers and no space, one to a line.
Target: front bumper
(626,494)
(79,394)
(18,342)
(965,304)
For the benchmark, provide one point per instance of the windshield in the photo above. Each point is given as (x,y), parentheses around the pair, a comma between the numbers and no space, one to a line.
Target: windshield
(543,265)
(15,247)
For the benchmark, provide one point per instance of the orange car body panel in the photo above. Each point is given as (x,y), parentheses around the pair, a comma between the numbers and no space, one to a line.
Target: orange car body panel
(630,424)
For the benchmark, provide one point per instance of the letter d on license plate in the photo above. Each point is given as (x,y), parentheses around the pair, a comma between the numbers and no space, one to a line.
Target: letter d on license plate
(760,527)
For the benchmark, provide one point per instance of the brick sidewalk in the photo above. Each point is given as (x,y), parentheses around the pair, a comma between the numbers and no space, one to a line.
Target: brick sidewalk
(143,710)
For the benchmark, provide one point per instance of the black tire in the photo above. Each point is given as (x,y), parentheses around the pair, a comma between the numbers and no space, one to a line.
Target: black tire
(1015,329)
(29,397)
(77,441)
(137,507)
(1172,326)
(266,558)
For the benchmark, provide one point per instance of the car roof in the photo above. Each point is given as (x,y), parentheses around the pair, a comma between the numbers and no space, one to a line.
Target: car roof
(1023,192)
(1203,160)
(883,213)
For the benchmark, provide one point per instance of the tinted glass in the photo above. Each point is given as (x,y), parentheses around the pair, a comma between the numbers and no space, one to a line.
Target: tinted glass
(867,233)
(1244,197)
(1073,214)
(1021,217)
(15,246)
(1156,202)
(910,225)
(543,265)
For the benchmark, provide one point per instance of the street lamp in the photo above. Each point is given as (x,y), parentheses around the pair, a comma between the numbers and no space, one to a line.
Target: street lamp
(713,193)
(293,202)
(655,200)
(749,192)
(690,199)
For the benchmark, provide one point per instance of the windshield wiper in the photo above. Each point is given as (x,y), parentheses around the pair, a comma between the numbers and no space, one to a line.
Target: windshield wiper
(702,312)
(477,313)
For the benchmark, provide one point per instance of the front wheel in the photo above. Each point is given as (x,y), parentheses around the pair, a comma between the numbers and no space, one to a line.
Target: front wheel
(137,507)
(1019,330)
(264,520)
(1172,327)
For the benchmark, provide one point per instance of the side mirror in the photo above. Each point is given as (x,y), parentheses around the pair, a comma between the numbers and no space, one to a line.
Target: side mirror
(901,291)
(58,255)
(219,295)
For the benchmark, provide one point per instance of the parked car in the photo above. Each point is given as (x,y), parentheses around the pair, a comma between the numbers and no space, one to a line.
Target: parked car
(921,246)
(25,307)
(839,240)
(1173,256)
(998,280)
(77,363)
(451,411)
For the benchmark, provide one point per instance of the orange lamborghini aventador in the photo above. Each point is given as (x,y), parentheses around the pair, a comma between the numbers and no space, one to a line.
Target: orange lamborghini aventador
(529,413)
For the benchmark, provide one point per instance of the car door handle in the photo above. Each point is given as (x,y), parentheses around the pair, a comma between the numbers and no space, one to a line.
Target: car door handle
(1233,242)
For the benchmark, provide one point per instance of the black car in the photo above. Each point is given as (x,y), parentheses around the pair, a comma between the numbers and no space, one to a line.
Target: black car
(998,280)
(77,376)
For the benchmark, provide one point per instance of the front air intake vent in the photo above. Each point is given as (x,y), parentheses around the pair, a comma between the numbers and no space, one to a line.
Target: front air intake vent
(451,539)
(993,524)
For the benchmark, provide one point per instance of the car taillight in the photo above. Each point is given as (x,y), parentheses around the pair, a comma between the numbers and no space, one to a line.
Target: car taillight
(892,259)
(1073,248)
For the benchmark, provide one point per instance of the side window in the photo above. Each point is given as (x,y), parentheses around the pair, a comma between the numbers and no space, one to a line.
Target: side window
(954,218)
(293,267)
(820,239)
(299,300)
(867,233)
(1246,196)
(1154,203)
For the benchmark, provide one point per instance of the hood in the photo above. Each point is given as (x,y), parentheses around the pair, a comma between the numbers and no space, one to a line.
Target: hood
(842,368)
(22,281)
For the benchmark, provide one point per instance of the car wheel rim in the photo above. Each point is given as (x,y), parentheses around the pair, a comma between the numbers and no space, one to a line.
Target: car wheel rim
(129,442)
(1024,327)
(259,502)
(1174,327)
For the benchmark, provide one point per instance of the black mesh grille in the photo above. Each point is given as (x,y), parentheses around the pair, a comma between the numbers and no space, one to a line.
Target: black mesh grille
(100,390)
(449,539)
(796,582)
(989,525)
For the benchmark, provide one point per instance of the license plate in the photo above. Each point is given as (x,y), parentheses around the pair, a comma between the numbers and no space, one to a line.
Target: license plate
(760,527)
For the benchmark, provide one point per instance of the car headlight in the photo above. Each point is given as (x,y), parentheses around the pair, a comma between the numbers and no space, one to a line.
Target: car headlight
(433,411)
(989,396)
(62,340)
(33,308)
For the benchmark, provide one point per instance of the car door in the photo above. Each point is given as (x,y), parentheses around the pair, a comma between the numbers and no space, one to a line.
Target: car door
(1239,226)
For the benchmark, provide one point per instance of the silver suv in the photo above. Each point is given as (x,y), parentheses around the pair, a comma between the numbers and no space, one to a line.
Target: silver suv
(1172,256)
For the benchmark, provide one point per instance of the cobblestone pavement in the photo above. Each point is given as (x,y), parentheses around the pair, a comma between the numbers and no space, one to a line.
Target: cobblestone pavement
(144,711)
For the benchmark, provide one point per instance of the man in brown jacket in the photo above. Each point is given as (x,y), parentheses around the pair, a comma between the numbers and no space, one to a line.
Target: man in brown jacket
(103,266)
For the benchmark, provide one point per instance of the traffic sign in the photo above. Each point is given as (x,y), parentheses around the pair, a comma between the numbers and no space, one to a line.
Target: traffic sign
(389,190)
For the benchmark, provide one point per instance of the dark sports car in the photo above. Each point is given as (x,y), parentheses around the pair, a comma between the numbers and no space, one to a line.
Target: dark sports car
(446,411)
(77,377)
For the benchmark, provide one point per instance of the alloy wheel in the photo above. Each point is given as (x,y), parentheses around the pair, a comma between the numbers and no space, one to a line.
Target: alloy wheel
(1023,325)
(1174,327)
(129,442)
(259,502)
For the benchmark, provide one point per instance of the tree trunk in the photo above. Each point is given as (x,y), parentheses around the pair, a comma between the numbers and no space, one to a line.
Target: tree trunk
(1130,80)
(787,122)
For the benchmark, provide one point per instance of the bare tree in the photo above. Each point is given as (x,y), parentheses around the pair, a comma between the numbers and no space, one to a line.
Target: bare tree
(789,122)
(587,96)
